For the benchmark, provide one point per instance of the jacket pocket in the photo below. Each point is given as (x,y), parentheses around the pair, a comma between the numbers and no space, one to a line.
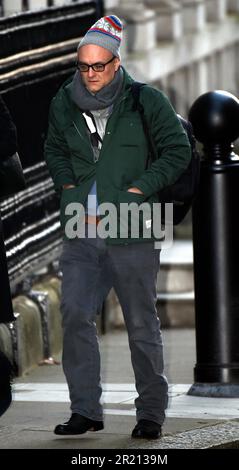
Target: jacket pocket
(128,197)
(132,214)
(71,205)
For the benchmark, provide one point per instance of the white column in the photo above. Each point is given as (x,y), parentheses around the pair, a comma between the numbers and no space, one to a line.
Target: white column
(12,6)
(213,81)
(237,67)
(162,84)
(202,77)
(221,70)
(178,92)
(232,63)
(181,87)
(140,25)
(130,3)
(194,15)
(216,10)
(111,4)
(61,2)
(35,4)
(226,69)
(192,86)
(169,18)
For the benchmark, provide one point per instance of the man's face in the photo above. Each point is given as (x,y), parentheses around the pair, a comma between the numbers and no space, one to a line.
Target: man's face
(92,54)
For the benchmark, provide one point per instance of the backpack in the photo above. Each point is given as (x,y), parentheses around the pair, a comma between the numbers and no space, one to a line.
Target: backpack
(182,192)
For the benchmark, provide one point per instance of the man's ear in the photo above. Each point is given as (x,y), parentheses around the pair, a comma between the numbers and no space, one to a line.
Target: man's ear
(117,64)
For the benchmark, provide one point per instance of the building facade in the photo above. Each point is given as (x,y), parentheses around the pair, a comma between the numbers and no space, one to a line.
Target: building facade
(185,47)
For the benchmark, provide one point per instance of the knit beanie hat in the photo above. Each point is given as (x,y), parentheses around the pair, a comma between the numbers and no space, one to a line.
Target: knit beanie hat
(106,32)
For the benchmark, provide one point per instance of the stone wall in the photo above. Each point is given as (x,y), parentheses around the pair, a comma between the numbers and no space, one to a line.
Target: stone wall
(185,47)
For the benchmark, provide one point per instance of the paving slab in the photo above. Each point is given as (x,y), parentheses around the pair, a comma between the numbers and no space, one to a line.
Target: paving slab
(40,401)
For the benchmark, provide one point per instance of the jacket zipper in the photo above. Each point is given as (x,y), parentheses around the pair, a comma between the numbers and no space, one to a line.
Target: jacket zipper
(78,132)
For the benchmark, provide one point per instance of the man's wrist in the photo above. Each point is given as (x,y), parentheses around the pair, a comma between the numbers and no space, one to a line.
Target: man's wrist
(68,186)
(135,190)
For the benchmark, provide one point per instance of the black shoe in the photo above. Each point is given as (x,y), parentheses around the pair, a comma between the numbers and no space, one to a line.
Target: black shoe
(146,429)
(78,424)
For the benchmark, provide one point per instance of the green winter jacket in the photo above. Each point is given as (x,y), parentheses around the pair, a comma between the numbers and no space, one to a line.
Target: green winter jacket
(123,155)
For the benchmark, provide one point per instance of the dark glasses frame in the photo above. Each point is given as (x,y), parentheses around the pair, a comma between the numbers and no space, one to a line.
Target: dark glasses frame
(97,67)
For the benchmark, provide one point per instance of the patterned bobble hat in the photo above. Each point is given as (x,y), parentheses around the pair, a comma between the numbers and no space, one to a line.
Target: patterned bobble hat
(107,33)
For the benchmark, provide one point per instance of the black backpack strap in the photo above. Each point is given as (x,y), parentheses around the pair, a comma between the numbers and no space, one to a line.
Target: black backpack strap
(188,129)
(137,106)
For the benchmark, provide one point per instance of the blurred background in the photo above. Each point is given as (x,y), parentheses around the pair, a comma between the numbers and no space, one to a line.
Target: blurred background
(185,48)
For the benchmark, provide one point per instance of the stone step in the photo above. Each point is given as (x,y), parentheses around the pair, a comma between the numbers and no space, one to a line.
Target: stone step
(175,279)
(176,309)
(175,288)
(180,253)
(176,268)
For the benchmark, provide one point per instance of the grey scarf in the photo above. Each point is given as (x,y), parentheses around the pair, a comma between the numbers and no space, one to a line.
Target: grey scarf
(100,100)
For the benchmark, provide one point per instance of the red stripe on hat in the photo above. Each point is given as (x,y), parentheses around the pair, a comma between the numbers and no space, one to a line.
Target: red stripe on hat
(113,23)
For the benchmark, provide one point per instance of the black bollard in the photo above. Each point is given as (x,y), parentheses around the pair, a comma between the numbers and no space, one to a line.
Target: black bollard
(215,119)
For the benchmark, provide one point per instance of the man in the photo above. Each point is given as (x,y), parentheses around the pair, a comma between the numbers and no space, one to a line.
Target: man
(8,146)
(96,146)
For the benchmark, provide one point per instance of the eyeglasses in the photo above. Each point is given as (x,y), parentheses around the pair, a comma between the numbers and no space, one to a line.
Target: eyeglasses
(98,67)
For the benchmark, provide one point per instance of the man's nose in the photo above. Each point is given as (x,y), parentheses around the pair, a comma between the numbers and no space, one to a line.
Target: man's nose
(91,72)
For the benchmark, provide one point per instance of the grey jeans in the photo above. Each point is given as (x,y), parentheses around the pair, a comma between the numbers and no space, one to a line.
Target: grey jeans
(90,268)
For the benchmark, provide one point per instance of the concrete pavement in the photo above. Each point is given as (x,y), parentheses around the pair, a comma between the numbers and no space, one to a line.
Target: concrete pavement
(40,401)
